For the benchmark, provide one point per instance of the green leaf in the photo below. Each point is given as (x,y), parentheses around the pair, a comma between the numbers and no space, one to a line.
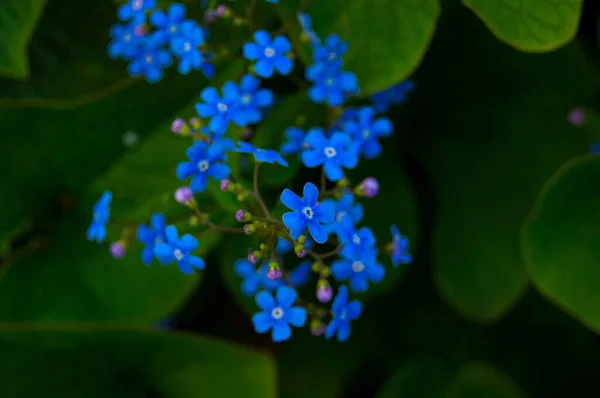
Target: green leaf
(560,240)
(530,25)
(118,362)
(76,280)
(492,137)
(422,378)
(399,34)
(270,134)
(481,380)
(18,19)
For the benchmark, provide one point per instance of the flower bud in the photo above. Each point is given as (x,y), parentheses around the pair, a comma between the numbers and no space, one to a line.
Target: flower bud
(223,11)
(317,328)
(274,272)
(118,249)
(184,195)
(324,291)
(369,187)
(196,123)
(249,229)
(253,258)
(576,116)
(179,126)
(242,216)
(225,185)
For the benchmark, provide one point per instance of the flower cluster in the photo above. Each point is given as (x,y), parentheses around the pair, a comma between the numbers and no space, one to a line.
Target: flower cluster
(319,237)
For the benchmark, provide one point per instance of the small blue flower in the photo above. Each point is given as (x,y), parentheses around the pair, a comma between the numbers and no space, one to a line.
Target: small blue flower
(270,54)
(331,85)
(307,31)
(186,46)
(330,53)
(306,213)
(400,243)
(343,313)
(126,43)
(395,95)
(179,249)
(261,155)
(150,62)
(366,130)
(133,8)
(278,313)
(223,109)
(331,153)
(97,229)
(168,24)
(207,67)
(253,99)
(295,141)
(360,268)
(151,236)
(255,279)
(300,276)
(356,241)
(204,162)
(345,206)
(595,148)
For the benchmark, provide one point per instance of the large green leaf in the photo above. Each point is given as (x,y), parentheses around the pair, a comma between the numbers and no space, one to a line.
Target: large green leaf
(422,378)
(78,361)
(18,19)
(492,136)
(270,134)
(560,240)
(530,25)
(481,380)
(398,35)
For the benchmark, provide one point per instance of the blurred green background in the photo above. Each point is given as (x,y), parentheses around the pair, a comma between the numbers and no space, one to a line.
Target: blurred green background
(495,188)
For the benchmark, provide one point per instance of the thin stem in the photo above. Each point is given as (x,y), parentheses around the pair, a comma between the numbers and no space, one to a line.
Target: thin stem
(216,227)
(257,194)
(251,14)
(323,181)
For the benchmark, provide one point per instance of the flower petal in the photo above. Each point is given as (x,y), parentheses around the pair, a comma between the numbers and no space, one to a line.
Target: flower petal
(265,301)
(262,322)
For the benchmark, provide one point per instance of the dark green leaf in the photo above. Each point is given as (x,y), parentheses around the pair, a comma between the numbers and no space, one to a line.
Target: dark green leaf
(560,240)
(18,19)
(492,136)
(116,362)
(479,380)
(531,25)
(399,34)
(423,378)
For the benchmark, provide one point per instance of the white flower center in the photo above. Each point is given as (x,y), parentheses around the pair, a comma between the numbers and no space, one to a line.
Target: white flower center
(173,28)
(148,59)
(340,215)
(178,254)
(366,133)
(269,52)
(247,98)
(222,107)
(157,240)
(305,145)
(137,5)
(127,37)
(331,56)
(277,313)
(343,315)
(358,266)
(330,152)
(96,216)
(356,239)
(308,212)
(187,47)
(203,166)
(329,81)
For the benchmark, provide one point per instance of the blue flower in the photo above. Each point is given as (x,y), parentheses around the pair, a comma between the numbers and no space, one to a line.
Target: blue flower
(186,46)
(395,95)
(295,141)
(150,61)
(207,66)
(151,236)
(330,53)
(133,8)
(595,148)
(300,276)
(332,153)
(345,206)
(307,31)
(255,279)
(366,130)
(331,85)
(361,267)
(203,163)
(356,241)
(307,213)
(400,253)
(278,313)
(343,313)
(179,249)
(270,54)
(97,229)
(168,23)
(126,43)
(261,155)
(223,109)
(253,99)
